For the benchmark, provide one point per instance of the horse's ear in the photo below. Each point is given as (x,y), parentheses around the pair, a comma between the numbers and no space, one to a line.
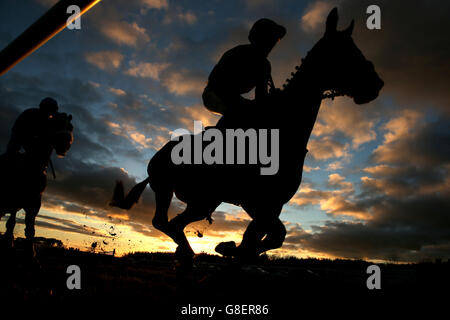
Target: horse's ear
(349,29)
(331,24)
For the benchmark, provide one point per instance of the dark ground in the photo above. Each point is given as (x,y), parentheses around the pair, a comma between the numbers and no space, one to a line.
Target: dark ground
(289,287)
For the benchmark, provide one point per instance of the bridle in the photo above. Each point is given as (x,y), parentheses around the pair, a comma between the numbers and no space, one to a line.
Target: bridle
(331,94)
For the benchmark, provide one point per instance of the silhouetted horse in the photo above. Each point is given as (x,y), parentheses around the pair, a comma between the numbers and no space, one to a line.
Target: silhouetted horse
(25,178)
(334,64)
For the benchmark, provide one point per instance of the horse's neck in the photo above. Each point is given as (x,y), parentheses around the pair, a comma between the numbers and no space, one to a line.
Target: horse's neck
(303,97)
(42,157)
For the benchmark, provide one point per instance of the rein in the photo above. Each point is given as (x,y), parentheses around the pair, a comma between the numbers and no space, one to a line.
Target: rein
(331,94)
(53,169)
(50,162)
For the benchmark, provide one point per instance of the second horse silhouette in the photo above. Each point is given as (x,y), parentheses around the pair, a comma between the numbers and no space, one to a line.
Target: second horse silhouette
(333,64)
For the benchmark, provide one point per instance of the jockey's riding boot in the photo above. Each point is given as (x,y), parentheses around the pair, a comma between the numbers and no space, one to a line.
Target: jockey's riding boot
(227,249)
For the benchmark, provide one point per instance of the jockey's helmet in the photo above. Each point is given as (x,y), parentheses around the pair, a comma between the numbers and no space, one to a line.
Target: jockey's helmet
(265,30)
(49,105)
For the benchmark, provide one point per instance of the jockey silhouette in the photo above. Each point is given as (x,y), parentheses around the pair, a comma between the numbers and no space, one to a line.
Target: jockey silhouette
(243,68)
(30,127)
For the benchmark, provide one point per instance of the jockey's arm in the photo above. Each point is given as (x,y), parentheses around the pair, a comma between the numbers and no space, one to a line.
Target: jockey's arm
(262,84)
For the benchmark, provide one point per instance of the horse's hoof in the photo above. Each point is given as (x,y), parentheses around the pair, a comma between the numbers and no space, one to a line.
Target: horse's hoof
(227,249)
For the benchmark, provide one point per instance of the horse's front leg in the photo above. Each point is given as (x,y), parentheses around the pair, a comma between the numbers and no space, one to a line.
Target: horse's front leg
(163,199)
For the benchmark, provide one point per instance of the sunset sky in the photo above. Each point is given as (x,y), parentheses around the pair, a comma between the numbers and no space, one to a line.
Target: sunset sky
(376,182)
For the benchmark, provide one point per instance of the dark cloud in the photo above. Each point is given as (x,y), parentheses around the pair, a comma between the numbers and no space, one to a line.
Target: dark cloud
(142,111)
(410,51)
(296,235)
(8,115)
(90,187)
(409,229)
(422,147)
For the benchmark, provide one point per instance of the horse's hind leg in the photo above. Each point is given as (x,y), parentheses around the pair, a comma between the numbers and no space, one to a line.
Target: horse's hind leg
(193,212)
(163,199)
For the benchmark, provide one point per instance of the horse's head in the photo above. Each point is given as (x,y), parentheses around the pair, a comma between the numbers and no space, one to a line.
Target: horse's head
(62,137)
(344,69)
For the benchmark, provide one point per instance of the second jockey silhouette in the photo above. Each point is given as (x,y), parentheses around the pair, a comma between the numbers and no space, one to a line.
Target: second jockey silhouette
(36,134)
(243,68)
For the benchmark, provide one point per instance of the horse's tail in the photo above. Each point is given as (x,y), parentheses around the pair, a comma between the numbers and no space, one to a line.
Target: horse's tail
(127,202)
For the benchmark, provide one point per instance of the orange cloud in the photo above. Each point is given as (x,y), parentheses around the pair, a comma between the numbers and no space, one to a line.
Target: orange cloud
(398,129)
(146,69)
(117,92)
(338,205)
(335,202)
(315,15)
(182,83)
(124,33)
(326,148)
(197,113)
(309,169)
(334,166)
(156,4)
(401,126)
(105,60)
(336,180)
(343,116)
(139,139)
